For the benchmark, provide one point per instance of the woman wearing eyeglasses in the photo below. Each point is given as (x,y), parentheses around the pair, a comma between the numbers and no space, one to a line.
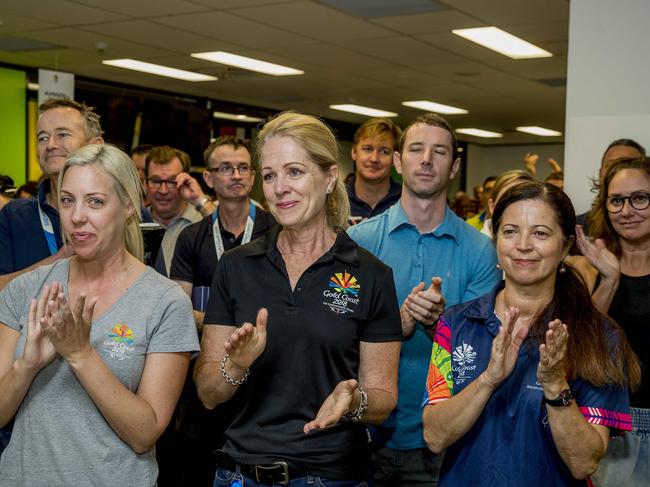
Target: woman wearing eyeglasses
(620,251)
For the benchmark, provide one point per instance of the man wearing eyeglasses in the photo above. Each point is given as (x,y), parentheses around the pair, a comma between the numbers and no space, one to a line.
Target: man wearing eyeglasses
(176,198)
(236,221)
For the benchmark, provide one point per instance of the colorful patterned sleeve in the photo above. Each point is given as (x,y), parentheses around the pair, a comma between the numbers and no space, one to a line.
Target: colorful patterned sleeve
(440,381)
(605,406)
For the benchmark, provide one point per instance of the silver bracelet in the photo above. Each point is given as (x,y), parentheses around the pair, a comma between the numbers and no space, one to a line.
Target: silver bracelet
(358,414)
(230,380)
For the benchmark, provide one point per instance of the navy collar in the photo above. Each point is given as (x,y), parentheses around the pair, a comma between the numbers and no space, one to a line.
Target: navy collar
(395,189)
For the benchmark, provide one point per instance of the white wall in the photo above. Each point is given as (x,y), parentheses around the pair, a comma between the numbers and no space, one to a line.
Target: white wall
(608,96)
(484,161)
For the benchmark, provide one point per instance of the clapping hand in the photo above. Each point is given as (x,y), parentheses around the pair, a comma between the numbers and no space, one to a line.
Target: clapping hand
(334,407)
(189,188)
(424,306)
(69,329)
(39,350)
(552,354)
(505,349)
(598,255)
(530,160)
(248,342)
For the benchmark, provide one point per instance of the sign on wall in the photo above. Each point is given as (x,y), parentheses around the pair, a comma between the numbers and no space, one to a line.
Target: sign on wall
(54,84)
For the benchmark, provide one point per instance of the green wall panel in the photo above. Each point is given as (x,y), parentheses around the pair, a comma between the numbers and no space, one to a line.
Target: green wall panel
(13,120)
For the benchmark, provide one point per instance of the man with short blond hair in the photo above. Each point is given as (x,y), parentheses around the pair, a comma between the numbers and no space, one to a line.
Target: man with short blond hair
(30,230)
(371,189)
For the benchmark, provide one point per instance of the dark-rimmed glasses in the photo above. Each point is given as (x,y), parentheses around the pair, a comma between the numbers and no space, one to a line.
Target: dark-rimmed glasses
(639,200)
(228,170)
(156,183)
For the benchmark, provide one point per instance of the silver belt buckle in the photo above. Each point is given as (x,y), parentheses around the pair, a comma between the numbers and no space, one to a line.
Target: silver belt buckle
(273,467)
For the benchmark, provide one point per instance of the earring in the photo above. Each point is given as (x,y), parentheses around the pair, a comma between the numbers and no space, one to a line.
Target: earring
(329,190)
(562,267)
(498,266)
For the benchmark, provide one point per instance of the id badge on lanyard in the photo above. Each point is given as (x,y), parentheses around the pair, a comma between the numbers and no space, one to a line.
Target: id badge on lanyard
(248,230)
(48,230)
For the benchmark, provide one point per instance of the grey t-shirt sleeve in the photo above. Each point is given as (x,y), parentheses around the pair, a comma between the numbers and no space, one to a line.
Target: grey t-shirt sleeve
(12,301)
(175,330)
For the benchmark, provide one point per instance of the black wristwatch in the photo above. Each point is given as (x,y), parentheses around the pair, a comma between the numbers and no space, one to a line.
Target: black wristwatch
(565,399)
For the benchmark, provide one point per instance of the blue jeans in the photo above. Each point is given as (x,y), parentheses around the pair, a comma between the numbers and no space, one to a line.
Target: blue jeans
(627,461)
(224,478)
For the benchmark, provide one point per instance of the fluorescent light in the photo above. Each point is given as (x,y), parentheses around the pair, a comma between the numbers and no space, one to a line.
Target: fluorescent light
(158,70)
(237,117)
(247,63)
(541,131)
(502,42)
(360,110)
(32,86)
(435,107)
(480,133)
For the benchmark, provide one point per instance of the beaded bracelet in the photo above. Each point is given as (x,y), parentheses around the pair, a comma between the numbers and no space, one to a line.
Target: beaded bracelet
(230,380)
(358,414)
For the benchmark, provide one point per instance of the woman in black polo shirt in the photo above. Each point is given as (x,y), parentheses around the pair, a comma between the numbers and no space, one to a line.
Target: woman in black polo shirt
(322,357)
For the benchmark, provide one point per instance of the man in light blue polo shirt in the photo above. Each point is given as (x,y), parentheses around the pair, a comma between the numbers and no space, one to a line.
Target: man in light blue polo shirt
(421,238)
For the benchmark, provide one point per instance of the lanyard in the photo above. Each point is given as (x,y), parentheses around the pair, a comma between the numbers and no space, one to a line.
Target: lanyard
(48,230)
(216,233)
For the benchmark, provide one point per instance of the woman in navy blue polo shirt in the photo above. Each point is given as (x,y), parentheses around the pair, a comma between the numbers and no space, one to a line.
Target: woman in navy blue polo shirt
(527,383)
(321,358)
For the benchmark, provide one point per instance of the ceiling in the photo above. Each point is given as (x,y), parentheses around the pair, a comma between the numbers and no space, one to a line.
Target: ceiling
(377,56)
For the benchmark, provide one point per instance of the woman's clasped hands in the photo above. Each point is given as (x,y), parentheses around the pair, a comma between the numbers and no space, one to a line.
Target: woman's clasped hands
(55,328)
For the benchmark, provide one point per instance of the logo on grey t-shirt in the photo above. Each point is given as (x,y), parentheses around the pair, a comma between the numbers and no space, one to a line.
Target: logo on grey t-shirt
(120,342)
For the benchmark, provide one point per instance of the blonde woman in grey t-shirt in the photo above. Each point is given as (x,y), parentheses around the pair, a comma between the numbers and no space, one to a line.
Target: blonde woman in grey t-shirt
(93,349)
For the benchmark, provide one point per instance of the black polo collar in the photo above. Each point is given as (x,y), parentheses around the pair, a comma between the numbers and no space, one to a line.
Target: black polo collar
(344,248)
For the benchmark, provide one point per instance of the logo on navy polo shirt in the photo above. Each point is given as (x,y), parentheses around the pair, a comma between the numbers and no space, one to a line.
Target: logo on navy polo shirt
(463,358)
(342,293)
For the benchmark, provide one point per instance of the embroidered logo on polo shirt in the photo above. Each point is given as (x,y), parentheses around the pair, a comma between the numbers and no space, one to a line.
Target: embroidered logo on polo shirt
(342,295)
(120,342)
(463,356)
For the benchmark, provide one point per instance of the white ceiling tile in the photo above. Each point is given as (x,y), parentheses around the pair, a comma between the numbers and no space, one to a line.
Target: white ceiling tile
(402,50)
(233,29)
(328,56)
(314,20)
(59,12)
(87,41)
(504,12)
(160,36)
(146,9)
(14,23)
(443,21)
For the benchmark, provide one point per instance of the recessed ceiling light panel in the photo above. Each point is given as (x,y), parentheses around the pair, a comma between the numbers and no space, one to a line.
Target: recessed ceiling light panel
(502,42)
(361,110)
(157,69)
(236,116)
(249,63)
(541,131)
(431,106)
(486,134)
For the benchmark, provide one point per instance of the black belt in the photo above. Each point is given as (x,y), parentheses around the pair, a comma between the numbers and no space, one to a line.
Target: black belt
(279,472)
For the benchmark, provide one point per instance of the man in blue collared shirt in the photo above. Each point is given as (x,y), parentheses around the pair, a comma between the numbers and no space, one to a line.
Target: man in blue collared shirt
(28,237)
(421,238)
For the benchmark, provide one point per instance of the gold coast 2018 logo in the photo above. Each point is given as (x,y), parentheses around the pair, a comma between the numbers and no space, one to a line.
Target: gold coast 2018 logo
(120,343)
(343,293)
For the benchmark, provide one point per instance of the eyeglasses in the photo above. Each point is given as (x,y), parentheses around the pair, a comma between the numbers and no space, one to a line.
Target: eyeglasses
(638,200)
(156,183)
(228,170)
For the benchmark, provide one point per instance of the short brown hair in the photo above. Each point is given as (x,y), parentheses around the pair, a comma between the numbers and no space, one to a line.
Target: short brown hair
(92,126)
(235,142)
(377,127)
(436,121)
(163,154)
